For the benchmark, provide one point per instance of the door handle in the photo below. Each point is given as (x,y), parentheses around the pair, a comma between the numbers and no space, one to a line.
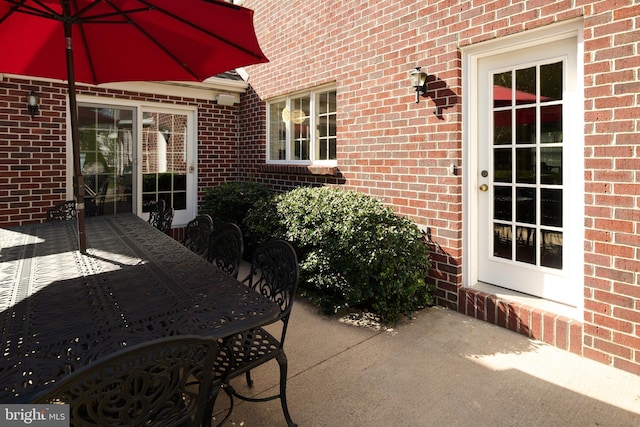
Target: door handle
(484,187)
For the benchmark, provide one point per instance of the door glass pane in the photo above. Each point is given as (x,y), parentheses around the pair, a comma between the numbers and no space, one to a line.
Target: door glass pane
(106,158)
(551,82)
(551,123)
(551,207)
(551,249)
(526,165)
(502,167)
(164,159)
(502,206)
(502,241)
(502,127)
(551,165)
(502,93)
(526,205)
(526,244)
(526,84)
(526,126)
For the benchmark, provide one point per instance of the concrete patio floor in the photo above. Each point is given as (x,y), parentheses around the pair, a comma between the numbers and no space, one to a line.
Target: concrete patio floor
(440,369)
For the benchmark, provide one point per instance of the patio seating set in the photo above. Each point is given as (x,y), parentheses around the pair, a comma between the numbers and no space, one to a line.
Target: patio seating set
(142,329)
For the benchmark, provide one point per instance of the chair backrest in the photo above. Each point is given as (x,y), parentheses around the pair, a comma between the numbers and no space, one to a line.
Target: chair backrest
(166,219)
(160,216)
(101,197)
(226,247)
(62,211)
(160,383)
(156,210)
(197,234)
(274,273)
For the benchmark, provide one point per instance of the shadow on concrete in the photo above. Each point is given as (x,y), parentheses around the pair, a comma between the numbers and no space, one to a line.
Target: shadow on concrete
(442,369)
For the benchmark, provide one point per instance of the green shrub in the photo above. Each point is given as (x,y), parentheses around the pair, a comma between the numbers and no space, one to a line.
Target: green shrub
(354,252)
(230,201)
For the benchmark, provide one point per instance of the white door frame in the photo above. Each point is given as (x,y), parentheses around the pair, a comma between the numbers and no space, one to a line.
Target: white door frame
(470,68)
(192,150)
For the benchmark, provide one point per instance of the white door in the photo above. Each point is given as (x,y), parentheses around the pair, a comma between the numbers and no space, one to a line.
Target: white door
(529,172)
(168,161)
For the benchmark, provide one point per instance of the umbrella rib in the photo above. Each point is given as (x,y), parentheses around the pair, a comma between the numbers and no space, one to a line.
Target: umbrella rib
(21,7)
(125,14)
(204,31)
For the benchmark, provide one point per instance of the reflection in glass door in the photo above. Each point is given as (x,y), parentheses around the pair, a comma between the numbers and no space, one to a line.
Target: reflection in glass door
(527,165)
(106,158)
(164,159)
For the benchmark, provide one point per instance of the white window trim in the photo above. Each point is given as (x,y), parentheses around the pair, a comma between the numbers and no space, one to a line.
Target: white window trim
(314,138)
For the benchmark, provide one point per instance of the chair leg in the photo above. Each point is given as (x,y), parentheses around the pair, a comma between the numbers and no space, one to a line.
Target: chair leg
(248,377)
(210,404)
(282,362)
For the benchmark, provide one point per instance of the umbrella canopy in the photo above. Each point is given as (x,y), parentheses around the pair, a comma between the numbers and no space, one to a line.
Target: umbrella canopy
(101,41)
(126,40)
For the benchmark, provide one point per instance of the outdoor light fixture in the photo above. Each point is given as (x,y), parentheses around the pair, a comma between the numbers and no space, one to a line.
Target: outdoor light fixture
(32,103)
(419,82)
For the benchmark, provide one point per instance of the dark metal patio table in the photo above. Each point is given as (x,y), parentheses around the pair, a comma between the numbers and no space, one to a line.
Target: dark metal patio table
(61,309)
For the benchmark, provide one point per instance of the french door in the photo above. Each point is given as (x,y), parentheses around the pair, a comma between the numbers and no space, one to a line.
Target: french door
(529,172)
(134,155)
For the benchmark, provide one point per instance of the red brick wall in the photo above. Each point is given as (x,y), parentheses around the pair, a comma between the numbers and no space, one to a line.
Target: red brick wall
(33,164)
(402,153)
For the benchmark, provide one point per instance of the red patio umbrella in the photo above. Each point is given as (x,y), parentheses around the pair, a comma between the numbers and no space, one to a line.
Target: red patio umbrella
(101,41)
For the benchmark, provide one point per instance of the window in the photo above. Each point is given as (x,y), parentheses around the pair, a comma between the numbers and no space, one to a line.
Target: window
(302,128)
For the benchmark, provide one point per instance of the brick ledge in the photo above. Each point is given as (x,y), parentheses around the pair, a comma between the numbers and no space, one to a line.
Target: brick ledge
(554,329)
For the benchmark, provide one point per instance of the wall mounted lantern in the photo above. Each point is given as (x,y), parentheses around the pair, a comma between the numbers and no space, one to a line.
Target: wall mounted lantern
(32,103)
(419,82)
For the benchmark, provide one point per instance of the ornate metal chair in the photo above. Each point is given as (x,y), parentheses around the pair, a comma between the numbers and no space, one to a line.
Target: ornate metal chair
(165,382)
(161,217)
(197,234)
(155,211)
(274,273)
(226,247)
(62,211)
(166,219)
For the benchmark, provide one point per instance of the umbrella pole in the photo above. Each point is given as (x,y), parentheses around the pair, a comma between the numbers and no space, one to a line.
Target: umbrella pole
(78,179)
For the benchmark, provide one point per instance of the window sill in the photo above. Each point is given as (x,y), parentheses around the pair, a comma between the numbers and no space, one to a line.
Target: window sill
(300,169)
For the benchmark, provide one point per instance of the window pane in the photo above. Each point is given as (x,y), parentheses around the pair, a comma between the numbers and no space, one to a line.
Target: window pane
(301,129)
(279,117)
